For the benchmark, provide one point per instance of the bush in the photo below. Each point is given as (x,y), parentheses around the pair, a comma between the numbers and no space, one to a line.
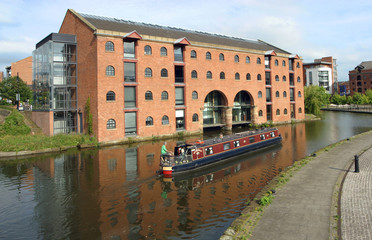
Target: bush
(14,125)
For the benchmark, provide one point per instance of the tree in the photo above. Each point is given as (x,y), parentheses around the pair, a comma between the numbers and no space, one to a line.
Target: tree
(9,87)
(315,98)
(338,100)
(360,99)
(369,95)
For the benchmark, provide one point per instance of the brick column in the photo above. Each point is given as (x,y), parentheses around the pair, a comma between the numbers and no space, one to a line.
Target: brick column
(228,118)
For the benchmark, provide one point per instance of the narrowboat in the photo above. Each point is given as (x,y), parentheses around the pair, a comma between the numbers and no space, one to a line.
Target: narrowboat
(202,153)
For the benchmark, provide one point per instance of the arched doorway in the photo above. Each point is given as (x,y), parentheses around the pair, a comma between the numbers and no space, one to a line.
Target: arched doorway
(214,109)
(242,108)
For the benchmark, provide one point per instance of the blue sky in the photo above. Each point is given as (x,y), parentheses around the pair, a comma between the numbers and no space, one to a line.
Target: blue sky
(311,29)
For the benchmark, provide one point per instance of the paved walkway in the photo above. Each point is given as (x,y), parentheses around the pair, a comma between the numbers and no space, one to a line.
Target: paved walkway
(302,208)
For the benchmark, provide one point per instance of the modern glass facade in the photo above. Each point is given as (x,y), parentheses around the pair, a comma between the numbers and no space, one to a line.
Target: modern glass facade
(55,80)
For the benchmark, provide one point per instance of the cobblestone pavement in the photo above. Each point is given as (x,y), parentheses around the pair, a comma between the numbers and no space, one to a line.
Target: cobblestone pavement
(356,201)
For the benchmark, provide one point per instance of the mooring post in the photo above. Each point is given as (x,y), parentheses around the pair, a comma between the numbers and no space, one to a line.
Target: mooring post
(356,161)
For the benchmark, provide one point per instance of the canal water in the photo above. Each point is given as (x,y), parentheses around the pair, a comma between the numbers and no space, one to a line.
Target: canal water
(114,193)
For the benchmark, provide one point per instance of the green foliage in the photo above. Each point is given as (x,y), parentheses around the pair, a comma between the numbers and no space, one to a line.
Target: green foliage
(14,125)
(89,117)
(338,100)
(360,99)
(368,94)
(9,87)
(266,199)
(315,98)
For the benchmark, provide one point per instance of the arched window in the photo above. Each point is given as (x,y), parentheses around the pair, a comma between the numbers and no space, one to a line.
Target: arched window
(110,71)
(237,76)
(222,75)
(165,120)
(259,77)
(149,121)
(209,75)
(148,50)
(222,57)
(300,110)
(277,112)
(194,95)
(284,78)
(298,65)
(259,94)
(248,76)
(208,56)
(163,51)
(285,111)
(164,95)
(148,95)
(299,94)
(298,79)
(247,59)
(277,78)
(193,54)
(111,124)
(276,62)
(148,72)
(260,113)
(258,60)
(195,117)
(110,96)
(236,58)
(284,94)
(164,72)
(194,74)
(277,94)
(283,63)
(109,46)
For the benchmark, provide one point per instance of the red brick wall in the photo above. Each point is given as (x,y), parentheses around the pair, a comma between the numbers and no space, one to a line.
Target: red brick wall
(24,69)
(44,120)
(366,81)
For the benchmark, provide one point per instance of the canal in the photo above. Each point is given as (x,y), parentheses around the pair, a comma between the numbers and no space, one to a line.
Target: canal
(114,193)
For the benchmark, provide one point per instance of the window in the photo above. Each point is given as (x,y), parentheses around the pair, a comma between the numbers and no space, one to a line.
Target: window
(277,78)
(284,94)
(129,72)
(129,50)
(283,63)
(276,62)
(300,110)
(111,124)
(110,96)
(129,97)
(259,94)
(222,57)
(148,72)
(277,94)
(259,77)
(110,71)
(195,117)
(277,112)
(193,54)
(148,95)
(247,59)
(298,65)
(237,76)
(226,146)
(236,58)
(262,136)
(251,140)
(180,100)
(164,73)
(194,74)
(268,78)
(163,51)
(260,113)
(222,75)
(208,56)
(180,119)
(298,79)
(267,61)
(109,46)
(284,78)
(236,143)
(248,76)
(285,111)
(130,123)
(209,151)
(164,95)
(165,120)
(149,121)
(209,75)
(178,53)
(291,94)
(148,50)
(194,95)
(258,60)
(299,94)
(268,94)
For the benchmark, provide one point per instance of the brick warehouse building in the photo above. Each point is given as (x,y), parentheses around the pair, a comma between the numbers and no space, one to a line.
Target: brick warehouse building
(360,79)
(145,80)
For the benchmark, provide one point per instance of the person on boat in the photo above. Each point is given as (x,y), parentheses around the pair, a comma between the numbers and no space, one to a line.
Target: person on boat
(164,152)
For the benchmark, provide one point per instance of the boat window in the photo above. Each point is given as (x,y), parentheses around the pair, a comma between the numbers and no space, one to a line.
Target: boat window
(251,139)
(236,143)
(262,136)
(272,134)
(226,146)
(209,151)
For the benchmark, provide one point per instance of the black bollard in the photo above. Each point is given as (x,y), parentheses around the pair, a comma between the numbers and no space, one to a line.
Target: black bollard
(356,158)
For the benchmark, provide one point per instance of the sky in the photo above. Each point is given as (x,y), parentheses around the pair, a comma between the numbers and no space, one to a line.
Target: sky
(309,28)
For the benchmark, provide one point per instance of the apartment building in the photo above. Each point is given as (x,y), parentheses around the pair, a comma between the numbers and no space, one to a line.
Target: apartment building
(360,79)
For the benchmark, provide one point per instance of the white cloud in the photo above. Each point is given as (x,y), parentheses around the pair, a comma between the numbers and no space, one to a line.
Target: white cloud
(25,45)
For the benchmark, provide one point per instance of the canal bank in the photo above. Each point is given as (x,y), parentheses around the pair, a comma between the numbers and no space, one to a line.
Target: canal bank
(308,205)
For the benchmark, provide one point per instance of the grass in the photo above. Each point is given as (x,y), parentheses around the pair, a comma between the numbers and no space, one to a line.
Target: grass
(16,136)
